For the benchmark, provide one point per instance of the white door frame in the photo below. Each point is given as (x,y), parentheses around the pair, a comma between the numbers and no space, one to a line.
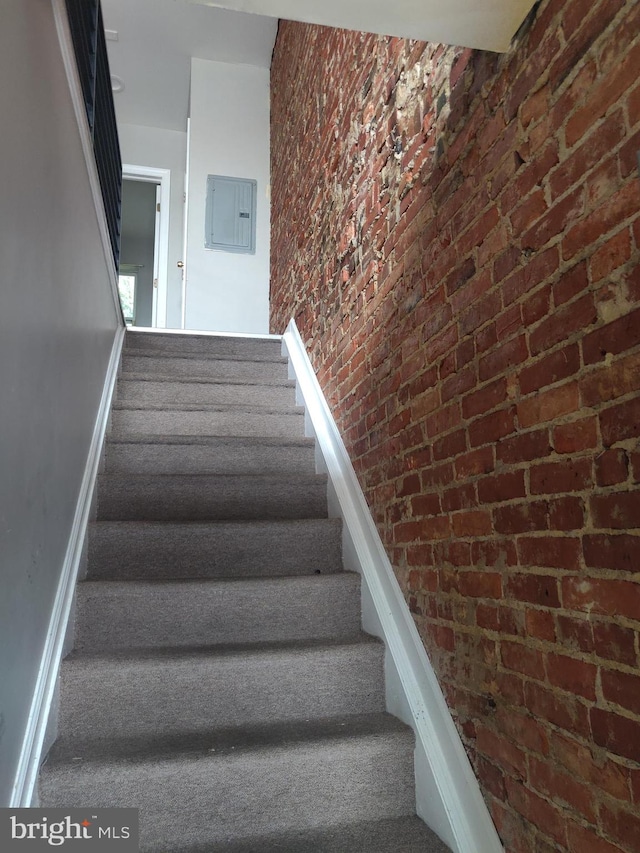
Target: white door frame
(161,177)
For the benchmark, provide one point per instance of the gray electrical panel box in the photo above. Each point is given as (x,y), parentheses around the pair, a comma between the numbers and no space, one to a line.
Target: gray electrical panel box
(230,218)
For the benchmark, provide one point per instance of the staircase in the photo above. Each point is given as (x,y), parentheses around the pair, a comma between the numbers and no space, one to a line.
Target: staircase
(220,680)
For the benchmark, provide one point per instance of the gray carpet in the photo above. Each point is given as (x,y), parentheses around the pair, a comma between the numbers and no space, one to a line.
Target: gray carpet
(220,681)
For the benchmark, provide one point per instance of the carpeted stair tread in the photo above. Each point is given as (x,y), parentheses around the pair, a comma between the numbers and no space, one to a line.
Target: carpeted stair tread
(242,408)
(171,392)
(202,367)
(220,741)
(190,344)
(146,550)
(217,442)
(399,835)
(167,690)
(206,420)
(214,799)
(204,497)
(139,614)
(204,454)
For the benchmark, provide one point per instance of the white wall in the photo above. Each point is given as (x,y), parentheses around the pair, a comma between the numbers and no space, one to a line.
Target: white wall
(163,149)
(57,326)
(229,136)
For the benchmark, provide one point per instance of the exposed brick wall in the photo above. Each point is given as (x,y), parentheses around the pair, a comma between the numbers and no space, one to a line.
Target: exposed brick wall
(457,235)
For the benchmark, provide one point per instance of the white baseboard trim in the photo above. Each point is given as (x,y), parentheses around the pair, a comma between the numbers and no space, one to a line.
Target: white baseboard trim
(448,796)
(31,754)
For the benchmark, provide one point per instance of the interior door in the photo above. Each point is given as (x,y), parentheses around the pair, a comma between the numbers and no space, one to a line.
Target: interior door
(156,256)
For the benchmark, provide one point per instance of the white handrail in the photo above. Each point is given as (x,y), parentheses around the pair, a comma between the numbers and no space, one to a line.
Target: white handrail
(448,796)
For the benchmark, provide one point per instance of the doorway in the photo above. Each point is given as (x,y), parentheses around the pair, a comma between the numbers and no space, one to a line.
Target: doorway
(144,246)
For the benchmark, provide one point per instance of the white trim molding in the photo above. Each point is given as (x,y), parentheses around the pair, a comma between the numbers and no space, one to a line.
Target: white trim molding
(448,796)
(32,746)
(149,174)
(75,89)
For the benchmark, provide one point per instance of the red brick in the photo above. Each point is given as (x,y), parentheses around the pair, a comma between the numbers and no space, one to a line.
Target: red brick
(603,596)
(425,505)
(437,475)
(538,269)
(504,752)
(582,839)
(612,467)
(563,710)
(494,553)
(522,517)
(621,688)
(557,552)
(484,399)
(618,734)
(450,445)
(620,422)
(557,477)
(615,337)
(524,447)
(521,658)
(554,223)
(621,825)
(576,436)
(573,317)
(605,218)
(537,810)
(472,523)
(459,497)
(615,252)
(571,283)
(575,634)
(560,787)
(491,428)
(475,462)
(566,513)
(591,153)
(614,642)
(501,487)
(603,96)
(620,510)
(477,584)
(552,368)
(576,676)
(536,589)
(435,528)
(613,380)
(609,551)
(540,624)
(548,405)
(453,553)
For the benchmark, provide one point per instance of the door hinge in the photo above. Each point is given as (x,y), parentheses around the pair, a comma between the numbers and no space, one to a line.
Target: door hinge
(158,207)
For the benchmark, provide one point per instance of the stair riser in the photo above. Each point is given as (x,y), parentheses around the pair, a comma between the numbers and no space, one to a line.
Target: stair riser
(215,370)
(209,345)
(145,552)
(208,499)
(137,615)
(202,459)
(143,422)
(202,692)
(247,794)
(205,393)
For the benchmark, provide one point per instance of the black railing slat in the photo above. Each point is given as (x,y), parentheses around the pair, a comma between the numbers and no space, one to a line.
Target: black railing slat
(87,30)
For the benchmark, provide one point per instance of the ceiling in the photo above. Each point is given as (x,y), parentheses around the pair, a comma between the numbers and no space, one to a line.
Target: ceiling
(156,40)
(482,24)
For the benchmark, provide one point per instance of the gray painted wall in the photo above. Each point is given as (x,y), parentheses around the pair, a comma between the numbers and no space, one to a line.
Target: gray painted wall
(57,325)
(136,244)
